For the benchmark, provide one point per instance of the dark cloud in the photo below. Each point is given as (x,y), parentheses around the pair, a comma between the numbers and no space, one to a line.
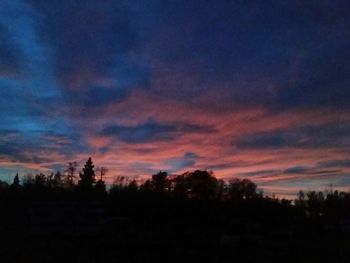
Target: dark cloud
(315,170)
(331,135)
(14,105)
(146,132)
(93,97)
(334,163)
(296,170)
(86,36)
(281,54)
(10,55)
(36,147)
(262,173)
(186,161)
(322,81)
(152,131)
(236,164)
(327,172)
(193,128)
(259,141)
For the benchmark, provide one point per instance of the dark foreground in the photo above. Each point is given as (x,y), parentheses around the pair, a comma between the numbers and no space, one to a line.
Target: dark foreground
(151,228)
(187,218)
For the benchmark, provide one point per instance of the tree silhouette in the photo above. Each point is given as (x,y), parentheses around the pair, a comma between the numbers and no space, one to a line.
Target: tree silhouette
(132,186)
(159,181)
(198,185)
(57,179)
(15,184)
(241,189)
(315,202)
(213,212)
(179,186)
(40,180)
(87,177)
(100,186)
(50,179)
(70,174)
(102,172)
(202,184)
(147,186)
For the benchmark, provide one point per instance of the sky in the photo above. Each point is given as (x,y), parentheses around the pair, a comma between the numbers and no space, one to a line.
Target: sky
(247,89)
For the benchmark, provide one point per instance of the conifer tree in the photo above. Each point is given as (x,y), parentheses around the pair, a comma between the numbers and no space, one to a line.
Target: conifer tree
(15,184)
(87,177)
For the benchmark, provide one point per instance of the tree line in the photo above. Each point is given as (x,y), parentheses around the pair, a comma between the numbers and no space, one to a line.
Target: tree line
(188,216)
(195,185)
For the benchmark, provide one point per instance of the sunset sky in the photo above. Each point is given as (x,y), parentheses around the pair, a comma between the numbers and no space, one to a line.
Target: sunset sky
(249,89)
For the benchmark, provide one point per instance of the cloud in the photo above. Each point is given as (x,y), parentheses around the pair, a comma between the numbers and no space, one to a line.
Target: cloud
(330,135)
(39,147)
(277,54)
(314,170)
(86,37)
(149,131)
(152,131)
(296,170)
(267,141)
(188,160)
(261,173)
(94,97)
(10,63)
(345,163)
